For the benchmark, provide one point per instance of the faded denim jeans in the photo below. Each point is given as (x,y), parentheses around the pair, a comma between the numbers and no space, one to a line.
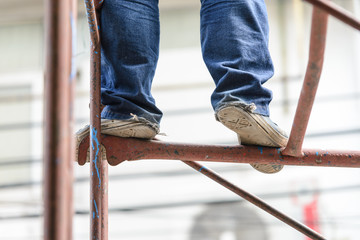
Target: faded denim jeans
(234,42)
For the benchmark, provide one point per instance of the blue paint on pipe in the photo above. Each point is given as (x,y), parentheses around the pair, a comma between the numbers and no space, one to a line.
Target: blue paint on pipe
(96,209)
(94,138)
(202,168)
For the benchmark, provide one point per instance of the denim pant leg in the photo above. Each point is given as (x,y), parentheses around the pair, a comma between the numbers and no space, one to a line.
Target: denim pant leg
(234,38)
(130,32)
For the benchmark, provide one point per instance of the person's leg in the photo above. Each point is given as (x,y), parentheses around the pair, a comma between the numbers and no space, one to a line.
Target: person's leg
(234,38)
(130,48)
(129,36)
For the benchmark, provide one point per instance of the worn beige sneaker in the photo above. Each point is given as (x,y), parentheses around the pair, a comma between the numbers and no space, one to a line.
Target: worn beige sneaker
(136,128)
(253,129)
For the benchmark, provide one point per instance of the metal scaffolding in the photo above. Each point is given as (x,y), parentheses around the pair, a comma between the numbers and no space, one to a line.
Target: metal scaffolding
(58,118)
(58,193)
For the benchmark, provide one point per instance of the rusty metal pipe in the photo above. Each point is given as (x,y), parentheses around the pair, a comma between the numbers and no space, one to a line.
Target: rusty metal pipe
(95,129)
(311,82)
(337,12)
(122,149)
(57,115)
(256,201)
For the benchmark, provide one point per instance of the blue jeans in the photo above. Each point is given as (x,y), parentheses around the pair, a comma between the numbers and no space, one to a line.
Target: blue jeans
(234,41)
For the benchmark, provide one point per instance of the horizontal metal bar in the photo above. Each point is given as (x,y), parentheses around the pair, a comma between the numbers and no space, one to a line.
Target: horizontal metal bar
(256,201)
(337,12)
(122,149)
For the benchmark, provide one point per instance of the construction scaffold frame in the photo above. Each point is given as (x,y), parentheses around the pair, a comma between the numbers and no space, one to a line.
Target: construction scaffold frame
(58,132)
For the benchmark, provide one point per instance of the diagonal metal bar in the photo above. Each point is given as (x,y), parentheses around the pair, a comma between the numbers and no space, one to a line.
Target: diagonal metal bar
(256,201)
(310,85)
(337,12)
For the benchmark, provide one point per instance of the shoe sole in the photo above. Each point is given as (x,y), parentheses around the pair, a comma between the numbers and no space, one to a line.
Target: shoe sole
(252,130)
(119,129)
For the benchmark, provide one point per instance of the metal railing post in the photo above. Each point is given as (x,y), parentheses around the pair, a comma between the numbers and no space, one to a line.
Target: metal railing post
(95,120)
(57,122)
(310,85)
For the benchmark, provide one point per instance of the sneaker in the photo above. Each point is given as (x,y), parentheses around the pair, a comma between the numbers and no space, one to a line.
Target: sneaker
(253,129)
(134,128)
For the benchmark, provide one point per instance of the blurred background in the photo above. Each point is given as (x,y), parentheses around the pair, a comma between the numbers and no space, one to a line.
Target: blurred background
(166,200)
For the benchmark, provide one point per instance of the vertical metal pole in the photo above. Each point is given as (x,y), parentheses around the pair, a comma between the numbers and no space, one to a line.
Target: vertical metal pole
(95,131)
(311,82)
(57,129)
(104,165)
